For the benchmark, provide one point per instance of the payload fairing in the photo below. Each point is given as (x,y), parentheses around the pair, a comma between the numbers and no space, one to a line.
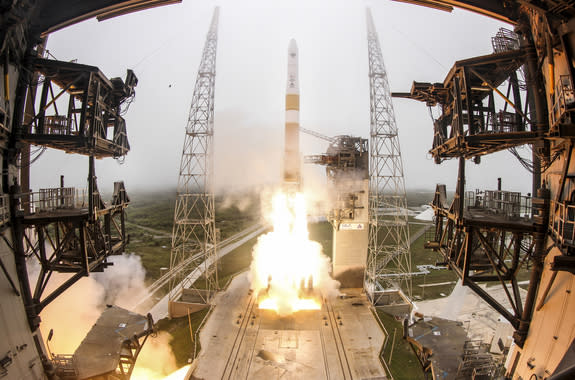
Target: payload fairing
(292,171)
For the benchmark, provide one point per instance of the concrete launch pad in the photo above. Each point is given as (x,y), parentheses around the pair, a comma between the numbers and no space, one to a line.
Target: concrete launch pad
(239,341)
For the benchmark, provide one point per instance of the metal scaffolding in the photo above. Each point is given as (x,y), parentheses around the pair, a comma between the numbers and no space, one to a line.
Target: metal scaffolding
(193,254)
(389,258)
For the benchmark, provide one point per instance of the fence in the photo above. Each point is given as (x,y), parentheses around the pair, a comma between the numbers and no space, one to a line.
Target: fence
(511,205)
(562,222)
(564,99)
(4,209)
(47,200)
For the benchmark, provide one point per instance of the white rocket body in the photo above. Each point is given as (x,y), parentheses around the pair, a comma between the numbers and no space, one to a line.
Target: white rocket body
(292,166)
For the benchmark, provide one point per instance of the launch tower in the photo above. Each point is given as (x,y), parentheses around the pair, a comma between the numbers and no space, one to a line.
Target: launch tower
(388,258)
(193,255)
(347,162)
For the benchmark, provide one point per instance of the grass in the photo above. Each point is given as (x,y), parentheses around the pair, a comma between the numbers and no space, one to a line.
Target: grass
(153,258)
(404,364)
(322,233)
(423,256)
(231,264)
(155,211)
(182,345)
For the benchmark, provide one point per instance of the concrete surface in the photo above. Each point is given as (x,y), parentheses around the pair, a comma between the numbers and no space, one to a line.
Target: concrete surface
(479,319)
(340,341)
(446,339)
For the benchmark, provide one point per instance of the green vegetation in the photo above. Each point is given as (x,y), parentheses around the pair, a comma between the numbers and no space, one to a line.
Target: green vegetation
(149,223)
(322,233)
(183,344)
(150,219)
(404,364)
(422,256)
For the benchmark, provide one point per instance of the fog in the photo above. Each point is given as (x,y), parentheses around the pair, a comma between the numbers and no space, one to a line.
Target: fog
(163,46)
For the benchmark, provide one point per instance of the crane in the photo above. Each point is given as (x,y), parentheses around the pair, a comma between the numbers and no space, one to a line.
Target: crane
(317,134)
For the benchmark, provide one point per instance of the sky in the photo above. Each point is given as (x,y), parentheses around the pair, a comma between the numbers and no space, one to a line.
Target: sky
(163,46)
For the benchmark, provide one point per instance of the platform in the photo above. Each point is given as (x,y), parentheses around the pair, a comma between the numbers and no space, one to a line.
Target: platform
(101,350)
(342,340)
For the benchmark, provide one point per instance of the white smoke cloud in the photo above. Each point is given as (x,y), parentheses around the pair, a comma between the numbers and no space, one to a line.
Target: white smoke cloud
(123,280)
(241,201)
(73,313)
(156,359)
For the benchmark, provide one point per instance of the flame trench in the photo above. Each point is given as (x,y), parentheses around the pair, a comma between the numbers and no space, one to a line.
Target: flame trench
(289,271)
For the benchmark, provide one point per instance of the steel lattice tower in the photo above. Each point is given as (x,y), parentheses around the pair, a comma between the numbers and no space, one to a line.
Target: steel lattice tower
(193,255)
(389,258)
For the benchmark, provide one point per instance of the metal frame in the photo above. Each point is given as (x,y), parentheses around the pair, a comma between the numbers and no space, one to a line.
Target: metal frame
(389,257)
(94,106)
(346,158)
(471,124)
(194,232)
(66,235)
(483,243)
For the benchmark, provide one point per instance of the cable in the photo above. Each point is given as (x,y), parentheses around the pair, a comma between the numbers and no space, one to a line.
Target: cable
(528,164)
(419,47)
(127,103)
(38,152)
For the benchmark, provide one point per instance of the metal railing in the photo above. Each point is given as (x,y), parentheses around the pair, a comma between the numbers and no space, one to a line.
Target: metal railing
(59,125)
(4,209)
(53,199)
(509,204)
(65,365)
(503,122)
(562,222)
(564,99)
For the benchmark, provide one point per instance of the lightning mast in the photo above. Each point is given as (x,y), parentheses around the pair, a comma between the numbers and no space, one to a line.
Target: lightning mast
(193,257)
(389,258)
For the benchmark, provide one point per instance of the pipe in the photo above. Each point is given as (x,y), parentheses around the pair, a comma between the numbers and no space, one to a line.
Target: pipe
(541,220)
(567,374)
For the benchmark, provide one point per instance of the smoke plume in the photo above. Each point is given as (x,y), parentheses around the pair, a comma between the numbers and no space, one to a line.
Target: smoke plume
(288,269)
(73,313)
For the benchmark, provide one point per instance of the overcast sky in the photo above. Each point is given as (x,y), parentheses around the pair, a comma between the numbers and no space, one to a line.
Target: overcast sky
(164,45)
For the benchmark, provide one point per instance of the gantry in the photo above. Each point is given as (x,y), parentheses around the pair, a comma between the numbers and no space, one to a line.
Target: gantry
(194,232)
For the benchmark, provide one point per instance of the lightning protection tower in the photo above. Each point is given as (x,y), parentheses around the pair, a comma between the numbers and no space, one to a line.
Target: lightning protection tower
(193,261)
(389,258)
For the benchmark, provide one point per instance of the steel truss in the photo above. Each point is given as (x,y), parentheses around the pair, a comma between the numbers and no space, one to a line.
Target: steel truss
(489,241)
(194,232)
(488,237)
(389,258)
(67,232)
(472,123)
(92,123)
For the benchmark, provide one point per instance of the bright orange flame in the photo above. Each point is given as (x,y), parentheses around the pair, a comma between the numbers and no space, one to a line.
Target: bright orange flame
(179,374)
(288,267)
(149,374)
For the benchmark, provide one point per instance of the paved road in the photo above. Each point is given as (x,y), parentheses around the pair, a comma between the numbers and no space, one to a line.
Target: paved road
(239,341)
(420,232)
(157,233)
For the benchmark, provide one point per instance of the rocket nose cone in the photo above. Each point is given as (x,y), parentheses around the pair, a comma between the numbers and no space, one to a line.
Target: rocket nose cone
(292,46)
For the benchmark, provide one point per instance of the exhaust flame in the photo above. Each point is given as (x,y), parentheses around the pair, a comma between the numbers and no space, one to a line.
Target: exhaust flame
(147,374)
(288,270)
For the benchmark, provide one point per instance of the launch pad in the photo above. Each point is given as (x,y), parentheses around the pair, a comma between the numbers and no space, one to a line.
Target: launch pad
(341,341)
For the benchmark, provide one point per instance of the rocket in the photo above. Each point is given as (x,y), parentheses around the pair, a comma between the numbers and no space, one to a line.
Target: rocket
(292,170)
